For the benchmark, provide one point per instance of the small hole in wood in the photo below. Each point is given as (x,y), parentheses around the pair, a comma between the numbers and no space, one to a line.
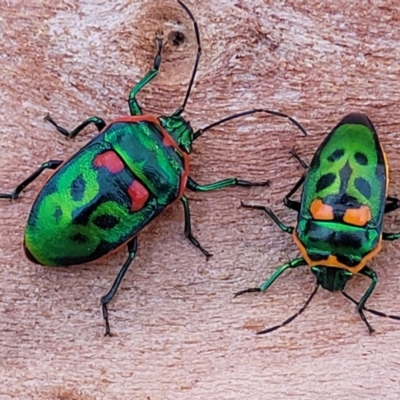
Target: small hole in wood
(176,38)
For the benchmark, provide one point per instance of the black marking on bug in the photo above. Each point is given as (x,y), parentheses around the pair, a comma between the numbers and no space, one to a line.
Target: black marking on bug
(347,260)
(336,155)
(361,158)
(316,257)
(58,213)
(318,233)
(344,175)
(349,201)
(353,240)
(79,238)
(106,221)
(363,186)
(325,181)
(78,187)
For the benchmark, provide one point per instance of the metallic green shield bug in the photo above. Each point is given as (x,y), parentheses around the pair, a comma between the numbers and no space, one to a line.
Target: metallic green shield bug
(340,215)
(100,198)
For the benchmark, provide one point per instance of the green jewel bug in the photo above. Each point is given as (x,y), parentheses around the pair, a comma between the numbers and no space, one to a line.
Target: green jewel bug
(340,215)
(102,196)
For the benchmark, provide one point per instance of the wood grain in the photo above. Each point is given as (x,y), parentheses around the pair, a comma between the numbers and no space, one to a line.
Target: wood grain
(178,332)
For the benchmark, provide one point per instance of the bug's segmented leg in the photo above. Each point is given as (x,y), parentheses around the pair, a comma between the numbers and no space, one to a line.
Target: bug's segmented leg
(294,316)
(195,187)
(132,250)
(188,228)
(392,204)
(51,164)
(289,203)
(294,204)
(134,107)
(292,264)
(272,215)
(297,262)
(375,312)
(295,155)
(368,272)
(390,236)
(100,125)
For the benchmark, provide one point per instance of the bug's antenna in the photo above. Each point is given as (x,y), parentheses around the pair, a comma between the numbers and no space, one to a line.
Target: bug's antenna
(274,328)
(180,110)
(249,112)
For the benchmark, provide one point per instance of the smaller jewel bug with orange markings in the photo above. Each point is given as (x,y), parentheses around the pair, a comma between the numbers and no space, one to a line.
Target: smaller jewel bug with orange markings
(340,215)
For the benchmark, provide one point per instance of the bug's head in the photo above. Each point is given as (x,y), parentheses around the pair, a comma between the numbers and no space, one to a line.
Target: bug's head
(332,278)
(180,130)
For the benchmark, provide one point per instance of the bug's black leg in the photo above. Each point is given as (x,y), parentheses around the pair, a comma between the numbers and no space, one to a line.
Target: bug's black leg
(132,250)
(390,236)
(195,187)
(361,305)
(272,215)
(134,107)
(100,125)
(392,203)
(293,204)
(294,316)
(289,203)
(294,154)
(292,264)
(188,228)
(51,164)
(375,312)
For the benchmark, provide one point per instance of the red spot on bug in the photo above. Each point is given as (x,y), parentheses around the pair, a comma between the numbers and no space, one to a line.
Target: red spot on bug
(109,160)
(138,194)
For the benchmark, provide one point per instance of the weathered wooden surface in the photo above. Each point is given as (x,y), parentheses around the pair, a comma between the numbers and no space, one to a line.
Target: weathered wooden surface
(178,332)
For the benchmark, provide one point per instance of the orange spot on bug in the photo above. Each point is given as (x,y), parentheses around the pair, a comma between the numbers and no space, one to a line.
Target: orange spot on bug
(320,211)
(138,194)
(109,160)
(357,216)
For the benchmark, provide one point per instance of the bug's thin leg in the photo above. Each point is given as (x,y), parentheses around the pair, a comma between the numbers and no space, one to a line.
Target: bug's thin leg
(289,203)
(292,264)
(134,107)
(51,164)
(392,204)
(195,187)
(99,122)
(297,262)
(295,155)
(188,228)
(294,316)
(180,110)
(378,313)
(390,236)
(132,250)
(361,305)
(272,215)
(294,204)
